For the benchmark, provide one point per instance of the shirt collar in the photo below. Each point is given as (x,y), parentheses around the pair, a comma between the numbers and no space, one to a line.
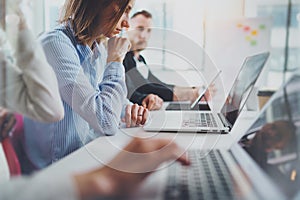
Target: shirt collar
(140,58)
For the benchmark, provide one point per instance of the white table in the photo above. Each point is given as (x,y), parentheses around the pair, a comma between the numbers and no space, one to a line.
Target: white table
(103,149)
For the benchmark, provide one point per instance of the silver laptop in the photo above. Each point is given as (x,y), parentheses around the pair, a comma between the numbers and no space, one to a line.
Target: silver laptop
(197,104)
(263,164)
(209,121)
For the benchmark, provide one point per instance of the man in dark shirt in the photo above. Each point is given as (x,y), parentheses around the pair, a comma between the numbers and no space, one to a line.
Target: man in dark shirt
(143,86)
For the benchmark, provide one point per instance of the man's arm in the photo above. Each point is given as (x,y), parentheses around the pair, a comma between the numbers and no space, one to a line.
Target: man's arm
(153,79)
(132,94)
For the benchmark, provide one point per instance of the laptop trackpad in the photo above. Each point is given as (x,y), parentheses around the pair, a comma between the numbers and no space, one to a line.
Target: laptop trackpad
(162,120)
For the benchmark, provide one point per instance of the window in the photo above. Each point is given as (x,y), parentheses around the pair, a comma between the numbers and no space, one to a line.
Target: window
(52,11)
(278,10)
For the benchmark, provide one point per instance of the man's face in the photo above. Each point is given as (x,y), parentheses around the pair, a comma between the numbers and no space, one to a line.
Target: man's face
(140,32)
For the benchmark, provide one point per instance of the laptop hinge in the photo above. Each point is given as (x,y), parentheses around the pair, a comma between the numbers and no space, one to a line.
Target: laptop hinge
(225,122)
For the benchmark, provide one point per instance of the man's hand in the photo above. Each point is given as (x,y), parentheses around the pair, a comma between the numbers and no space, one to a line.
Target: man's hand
(152,102)
(210,93)
(192,93)
(185,93)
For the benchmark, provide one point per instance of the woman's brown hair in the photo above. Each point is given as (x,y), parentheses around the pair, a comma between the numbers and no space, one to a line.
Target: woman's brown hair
(87,15)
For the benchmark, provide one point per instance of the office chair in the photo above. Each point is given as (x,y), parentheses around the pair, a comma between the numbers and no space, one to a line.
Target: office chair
(10,155)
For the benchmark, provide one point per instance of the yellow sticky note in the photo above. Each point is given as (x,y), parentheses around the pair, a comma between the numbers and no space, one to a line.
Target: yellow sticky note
(254,32)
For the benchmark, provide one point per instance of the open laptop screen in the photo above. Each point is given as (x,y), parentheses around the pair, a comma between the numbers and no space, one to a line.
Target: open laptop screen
(243,85)
(273,140)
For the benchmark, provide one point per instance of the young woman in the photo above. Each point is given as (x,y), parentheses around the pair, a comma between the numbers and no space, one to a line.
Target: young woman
(91,79)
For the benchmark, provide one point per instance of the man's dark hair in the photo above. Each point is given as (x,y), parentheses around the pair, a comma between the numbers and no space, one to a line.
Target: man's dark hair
(144,13)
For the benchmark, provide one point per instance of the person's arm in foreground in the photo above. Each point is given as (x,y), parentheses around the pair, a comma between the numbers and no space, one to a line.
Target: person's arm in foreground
(129,168)
(118,178)
(32,86)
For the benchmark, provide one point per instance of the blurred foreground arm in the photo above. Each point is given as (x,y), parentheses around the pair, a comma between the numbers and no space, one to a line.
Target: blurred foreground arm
(32,85)
(129,168)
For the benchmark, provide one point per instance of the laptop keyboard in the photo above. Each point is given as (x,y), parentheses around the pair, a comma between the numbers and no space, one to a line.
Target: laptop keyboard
(199,120)
(178,106)
(207,178)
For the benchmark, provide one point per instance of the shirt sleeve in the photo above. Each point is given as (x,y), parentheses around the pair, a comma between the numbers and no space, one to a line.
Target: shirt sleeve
(43,186)
(153,79)
(29,85)
(100,106)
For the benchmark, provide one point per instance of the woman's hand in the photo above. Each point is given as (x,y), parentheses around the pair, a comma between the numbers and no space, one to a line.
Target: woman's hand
(117,48)
(135,115)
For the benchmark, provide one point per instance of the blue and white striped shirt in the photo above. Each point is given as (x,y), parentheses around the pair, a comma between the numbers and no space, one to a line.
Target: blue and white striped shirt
(93,95)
